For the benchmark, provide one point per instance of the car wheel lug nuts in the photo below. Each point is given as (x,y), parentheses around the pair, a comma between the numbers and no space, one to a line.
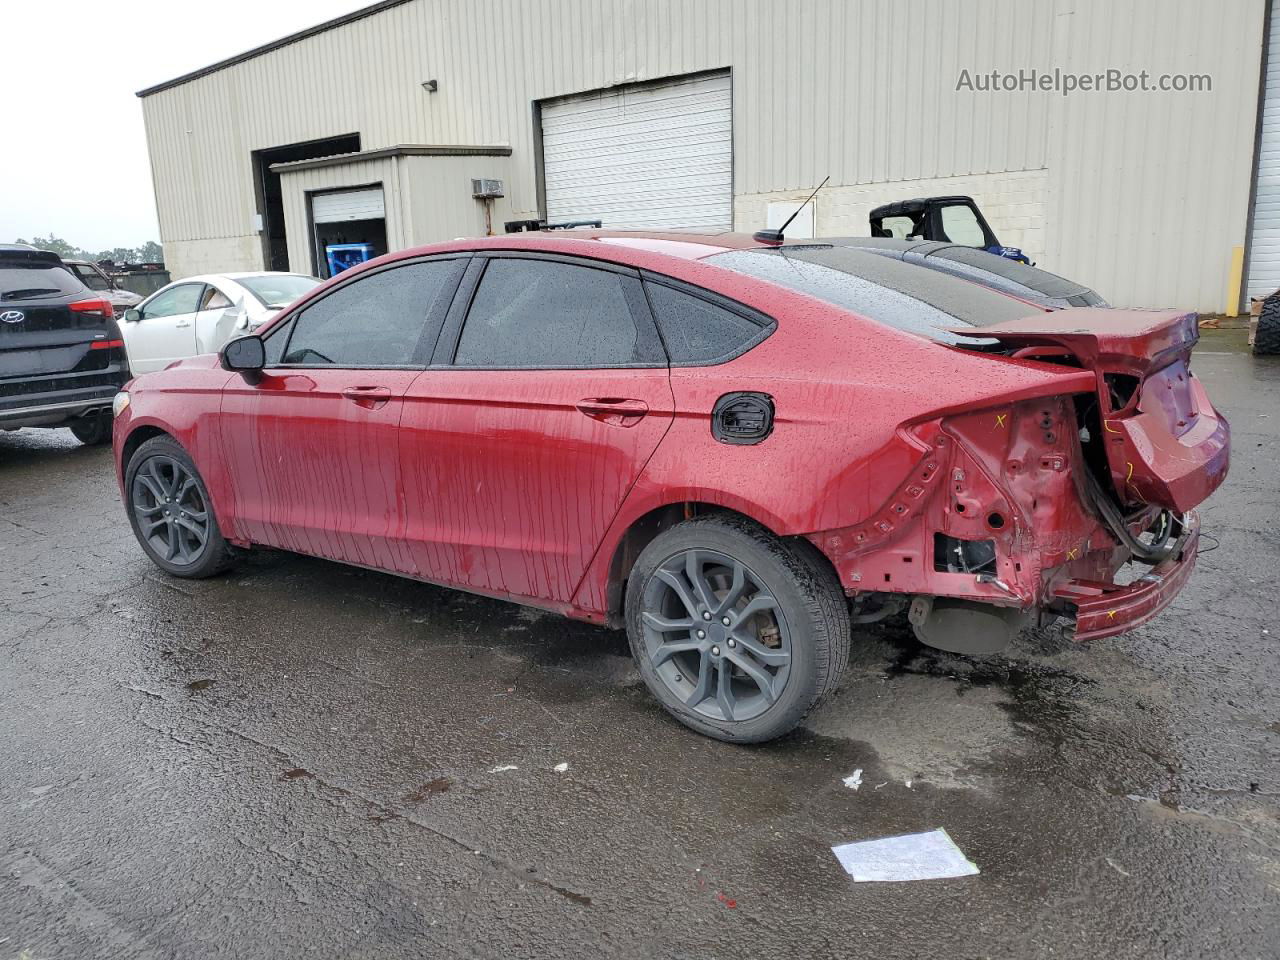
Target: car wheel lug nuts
(715,651)
(706,614)
(732,643)
(725,621)
(702,634)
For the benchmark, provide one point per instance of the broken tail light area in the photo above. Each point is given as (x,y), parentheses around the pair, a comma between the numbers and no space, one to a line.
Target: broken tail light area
(992,504)
(987,529)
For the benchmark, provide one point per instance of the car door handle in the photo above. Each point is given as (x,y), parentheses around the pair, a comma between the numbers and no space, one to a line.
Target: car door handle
(620,411)
(179,326)
(369,397)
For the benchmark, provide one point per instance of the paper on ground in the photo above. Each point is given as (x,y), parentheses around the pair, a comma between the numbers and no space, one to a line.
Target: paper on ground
(914,856)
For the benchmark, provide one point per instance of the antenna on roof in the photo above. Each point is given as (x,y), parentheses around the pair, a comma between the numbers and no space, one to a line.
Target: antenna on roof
(775,237)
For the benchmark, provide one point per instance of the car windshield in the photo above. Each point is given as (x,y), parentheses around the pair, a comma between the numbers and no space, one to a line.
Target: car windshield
(278,290)
(24,280)
(900,295)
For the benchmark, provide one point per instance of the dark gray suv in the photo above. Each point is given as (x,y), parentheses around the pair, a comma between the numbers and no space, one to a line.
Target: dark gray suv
(62,358)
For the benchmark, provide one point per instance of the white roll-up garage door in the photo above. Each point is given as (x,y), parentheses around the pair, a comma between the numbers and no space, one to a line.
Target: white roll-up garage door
(648,156)
(1264,247)
(363,204)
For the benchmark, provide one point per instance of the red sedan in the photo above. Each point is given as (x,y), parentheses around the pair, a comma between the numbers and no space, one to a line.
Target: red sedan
(734,450)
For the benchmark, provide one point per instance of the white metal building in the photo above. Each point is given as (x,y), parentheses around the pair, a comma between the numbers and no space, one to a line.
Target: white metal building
(724,114)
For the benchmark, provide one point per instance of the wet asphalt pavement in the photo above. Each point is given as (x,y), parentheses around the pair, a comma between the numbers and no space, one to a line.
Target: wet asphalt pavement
(304,759)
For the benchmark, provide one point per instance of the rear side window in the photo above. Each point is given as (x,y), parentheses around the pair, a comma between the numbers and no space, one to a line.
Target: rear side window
(696,331)
(26,282)
(374,321)
(543,313)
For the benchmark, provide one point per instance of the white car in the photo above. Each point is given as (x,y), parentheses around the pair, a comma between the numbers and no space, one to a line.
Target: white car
(199,314)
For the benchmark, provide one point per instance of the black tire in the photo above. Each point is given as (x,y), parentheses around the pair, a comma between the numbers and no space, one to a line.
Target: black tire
(146,502)
(807,622)
(1266,339)
(92,431)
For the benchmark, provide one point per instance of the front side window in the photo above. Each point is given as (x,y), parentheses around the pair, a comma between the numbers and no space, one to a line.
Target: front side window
(375,321)
(960,225)
(184,298)
(274,342)
(543,313)
(697,331)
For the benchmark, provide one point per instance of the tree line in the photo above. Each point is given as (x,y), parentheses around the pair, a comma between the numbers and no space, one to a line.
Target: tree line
(149,252)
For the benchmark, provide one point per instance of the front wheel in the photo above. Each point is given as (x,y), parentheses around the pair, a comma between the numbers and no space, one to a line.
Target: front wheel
(170,511)
(737,633)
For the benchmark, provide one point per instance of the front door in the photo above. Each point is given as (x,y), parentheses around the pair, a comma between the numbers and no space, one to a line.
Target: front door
(517,454)
(165,330)
(311,448)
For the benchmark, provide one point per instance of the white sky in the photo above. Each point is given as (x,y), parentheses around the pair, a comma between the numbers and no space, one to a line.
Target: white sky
(75,157)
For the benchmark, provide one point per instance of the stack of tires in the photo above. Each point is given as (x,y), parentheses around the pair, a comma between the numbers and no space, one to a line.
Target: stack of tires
(1266,339)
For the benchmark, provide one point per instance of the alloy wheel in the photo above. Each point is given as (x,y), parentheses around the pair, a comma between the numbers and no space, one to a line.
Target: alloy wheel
(172,515)
(715,635)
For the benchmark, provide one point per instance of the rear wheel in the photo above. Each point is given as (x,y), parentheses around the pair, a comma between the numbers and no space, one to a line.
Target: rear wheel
(92,431)
(737,633)
(1266,339)
(170,512)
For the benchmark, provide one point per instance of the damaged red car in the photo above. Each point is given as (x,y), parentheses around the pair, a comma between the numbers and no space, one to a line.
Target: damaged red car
(735,450)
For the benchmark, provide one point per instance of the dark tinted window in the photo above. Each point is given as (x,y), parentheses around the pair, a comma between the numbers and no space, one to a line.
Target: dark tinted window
(375,321)
(902,295)
(275,342)
(91,277)
(184,298)
(26,282)
(540,313)
(696,331)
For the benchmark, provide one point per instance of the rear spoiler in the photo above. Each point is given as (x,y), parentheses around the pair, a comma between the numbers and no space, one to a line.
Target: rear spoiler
(18,255)
(1135,342)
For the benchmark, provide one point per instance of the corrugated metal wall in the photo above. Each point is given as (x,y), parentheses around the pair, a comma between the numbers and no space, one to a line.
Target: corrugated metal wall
(1146,193)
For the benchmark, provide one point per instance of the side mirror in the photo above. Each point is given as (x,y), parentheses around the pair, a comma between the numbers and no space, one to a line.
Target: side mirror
(246,356)
(132,315)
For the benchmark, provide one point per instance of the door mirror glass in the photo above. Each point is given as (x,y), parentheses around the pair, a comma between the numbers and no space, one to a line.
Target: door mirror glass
(132,315)
(244,355)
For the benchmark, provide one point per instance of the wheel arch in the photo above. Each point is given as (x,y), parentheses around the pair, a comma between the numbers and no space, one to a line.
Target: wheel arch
(631,540)
(136,438)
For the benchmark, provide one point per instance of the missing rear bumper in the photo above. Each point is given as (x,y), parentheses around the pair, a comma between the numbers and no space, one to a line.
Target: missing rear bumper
(1106,609)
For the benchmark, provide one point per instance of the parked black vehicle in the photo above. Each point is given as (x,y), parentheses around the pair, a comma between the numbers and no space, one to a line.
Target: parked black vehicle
(62,358)
(96,279)
(999,273)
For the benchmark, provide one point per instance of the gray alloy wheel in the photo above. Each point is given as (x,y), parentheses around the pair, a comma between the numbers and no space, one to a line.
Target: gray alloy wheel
(736,632)
(170,512)
(170,509)
(715,635)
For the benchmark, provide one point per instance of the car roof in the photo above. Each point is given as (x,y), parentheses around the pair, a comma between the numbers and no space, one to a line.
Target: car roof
(688,245)
(915,205)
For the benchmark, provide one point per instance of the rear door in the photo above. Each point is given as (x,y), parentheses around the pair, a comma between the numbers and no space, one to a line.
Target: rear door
(165,330)
(311,447)
(541,408)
